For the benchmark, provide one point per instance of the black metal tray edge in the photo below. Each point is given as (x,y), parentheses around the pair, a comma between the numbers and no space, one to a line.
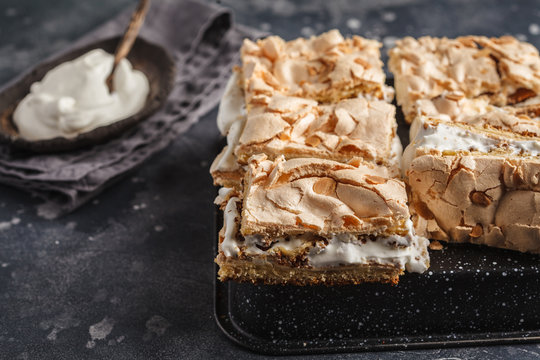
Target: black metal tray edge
(269,347)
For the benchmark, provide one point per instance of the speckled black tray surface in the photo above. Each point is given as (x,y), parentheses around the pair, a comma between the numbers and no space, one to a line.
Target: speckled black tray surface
(470,295)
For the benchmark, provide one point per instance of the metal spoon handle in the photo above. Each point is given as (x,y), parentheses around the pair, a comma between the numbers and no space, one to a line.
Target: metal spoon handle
(123,48)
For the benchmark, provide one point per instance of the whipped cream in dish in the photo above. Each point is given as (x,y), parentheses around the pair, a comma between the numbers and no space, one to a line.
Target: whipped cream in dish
(73,97)
(341,249)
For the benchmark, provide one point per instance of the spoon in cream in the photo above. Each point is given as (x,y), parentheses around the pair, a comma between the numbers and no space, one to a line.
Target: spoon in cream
(124,46)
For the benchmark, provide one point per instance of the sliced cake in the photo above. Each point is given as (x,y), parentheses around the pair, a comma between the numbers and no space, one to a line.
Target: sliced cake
(316,97)
(463,76)
(476,181)
(325,68)
(311,221)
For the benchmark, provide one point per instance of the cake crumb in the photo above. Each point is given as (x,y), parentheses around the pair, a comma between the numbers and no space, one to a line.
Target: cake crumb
(435,245)
(389,16)
(534,29)
(354,24)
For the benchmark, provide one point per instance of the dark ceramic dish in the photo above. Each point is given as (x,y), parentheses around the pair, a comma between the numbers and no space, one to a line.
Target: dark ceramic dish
(151,59)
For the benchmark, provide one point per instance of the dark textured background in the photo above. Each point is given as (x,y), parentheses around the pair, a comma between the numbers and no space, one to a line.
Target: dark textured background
(130,275)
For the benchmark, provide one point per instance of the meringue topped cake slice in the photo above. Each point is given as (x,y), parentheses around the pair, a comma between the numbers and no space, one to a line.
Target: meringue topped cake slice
(476,181)
(297,127)
(325,68)
(317,97)
(310,165)
(463,76)
(350,130)
(311,221)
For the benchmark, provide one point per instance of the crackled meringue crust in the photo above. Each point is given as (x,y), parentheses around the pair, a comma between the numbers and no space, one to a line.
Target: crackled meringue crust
(325,68)
(316,97)
(439,75)
(323,196)
(476,181)
(482,199)
(296,127)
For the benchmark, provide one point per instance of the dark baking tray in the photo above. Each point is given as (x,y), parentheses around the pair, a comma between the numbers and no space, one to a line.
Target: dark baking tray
(471,295)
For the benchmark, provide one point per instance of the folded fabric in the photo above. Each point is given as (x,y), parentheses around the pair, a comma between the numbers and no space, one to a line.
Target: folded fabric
(204,44)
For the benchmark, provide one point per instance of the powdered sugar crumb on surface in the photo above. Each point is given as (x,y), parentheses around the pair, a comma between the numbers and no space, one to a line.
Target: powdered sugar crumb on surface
(99,331)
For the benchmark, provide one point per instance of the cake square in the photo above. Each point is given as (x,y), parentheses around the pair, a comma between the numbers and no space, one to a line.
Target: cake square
(477,180)
(342,131)
(350,130)
(312,221)
(325,68)
(467,75)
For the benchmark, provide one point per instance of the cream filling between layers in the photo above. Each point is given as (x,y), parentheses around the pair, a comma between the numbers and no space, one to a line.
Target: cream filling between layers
(445,137)
(396,152)
(342,249)
(223,193)
(231,120)
(388,94)
(231,107)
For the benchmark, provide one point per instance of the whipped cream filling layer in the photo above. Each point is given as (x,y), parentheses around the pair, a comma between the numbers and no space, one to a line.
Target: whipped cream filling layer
(451,107)
(396,151)
(228,161)
(231,217)
(448,137)
(231,120)
(408,252)
(232,108)
(388,94)
(223,194)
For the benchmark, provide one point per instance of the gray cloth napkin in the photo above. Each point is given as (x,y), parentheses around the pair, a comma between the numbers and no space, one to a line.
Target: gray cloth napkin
(204,43)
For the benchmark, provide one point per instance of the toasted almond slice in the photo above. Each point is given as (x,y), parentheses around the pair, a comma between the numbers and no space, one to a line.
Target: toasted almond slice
(375,180)
(480,198)
(325,186)
(476,231)
(313,141)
